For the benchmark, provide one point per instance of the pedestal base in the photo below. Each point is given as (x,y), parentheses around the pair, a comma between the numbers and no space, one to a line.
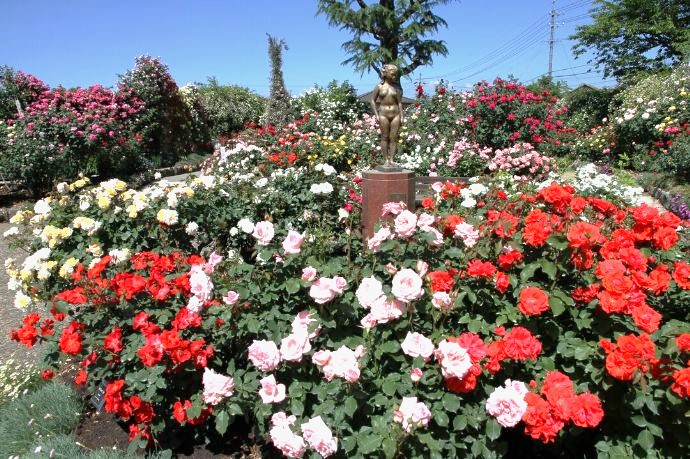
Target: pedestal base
(380,187)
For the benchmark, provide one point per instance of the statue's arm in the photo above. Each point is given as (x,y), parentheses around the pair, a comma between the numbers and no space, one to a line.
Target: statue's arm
(400,107)
(374,96)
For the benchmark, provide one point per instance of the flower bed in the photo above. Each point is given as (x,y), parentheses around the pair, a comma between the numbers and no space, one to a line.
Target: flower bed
(490,320)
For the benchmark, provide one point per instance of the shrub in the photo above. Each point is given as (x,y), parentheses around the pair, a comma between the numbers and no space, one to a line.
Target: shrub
(16,378)
(278,111)
(587,107)
(230,107)
(166,124)
(505,112)
(51,410)
(17,86)
(67,132)
(336,106)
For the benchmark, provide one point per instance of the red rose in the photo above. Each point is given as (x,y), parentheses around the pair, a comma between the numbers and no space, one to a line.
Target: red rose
(681,382)
(47,374)
(80,377)
(540,422)
(428,203)
(585,294)
(586,410)
(664,238)
(478,268)
(681,274)
(502,281)
(73,296)
(533,301)
(646,318)
(520,344)
(113,340)
(450,222)
(509,259)
(617,283)
(683,342)
(70,342)
(441,281)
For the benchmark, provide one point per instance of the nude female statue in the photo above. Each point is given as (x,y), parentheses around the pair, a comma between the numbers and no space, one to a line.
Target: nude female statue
(386,103)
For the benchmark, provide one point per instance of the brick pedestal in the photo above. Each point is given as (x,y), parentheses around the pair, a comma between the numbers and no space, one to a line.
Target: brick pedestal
(380,187)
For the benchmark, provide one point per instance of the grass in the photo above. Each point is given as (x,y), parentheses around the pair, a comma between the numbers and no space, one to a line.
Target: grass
(51,410)
(64,446)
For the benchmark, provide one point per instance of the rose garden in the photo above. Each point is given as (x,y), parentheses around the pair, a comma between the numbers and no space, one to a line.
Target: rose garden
(529,305)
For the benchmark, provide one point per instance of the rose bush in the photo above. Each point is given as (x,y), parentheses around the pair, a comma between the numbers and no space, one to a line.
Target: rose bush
(490,320)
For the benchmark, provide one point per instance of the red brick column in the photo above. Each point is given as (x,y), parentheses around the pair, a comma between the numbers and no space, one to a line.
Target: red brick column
(379,188)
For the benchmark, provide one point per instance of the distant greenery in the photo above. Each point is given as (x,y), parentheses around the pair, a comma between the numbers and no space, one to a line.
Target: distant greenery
(229,107)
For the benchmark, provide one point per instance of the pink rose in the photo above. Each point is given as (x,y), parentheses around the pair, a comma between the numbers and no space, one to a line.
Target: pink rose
(283,438)
(271,391)
(194,304)
(359,351)
(322,291)
(467,233)
(454,359)
(392,208)
(438,240)
(319,436)
(374,242)
(369,290)
(293,242)
(231,298)
(405,223)
(200,284)
(391,269)
(321,358)
(407,285)
(302,321)
(412,413)
(437,186)
(425,220)
(339,284)
(293,346)
(416,374)
(384,310)
(216,386)
(417,345)
(308,274)
(264,355)
(212,262)
(507,404)
(442,301)
(263,232)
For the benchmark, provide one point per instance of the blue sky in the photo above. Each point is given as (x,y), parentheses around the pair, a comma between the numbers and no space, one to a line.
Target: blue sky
(85,42)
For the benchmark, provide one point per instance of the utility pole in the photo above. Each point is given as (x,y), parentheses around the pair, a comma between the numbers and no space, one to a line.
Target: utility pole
(552,24)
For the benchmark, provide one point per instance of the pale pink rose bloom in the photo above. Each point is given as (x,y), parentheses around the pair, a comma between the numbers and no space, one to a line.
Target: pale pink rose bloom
(384,310)
(212,262)
(407,285)
(467,233)
(425,220)
(392,208)
(294,346)
(442,301)
(231,298)
(416,374)
(412,413)
(391,269)
(321,358)
(280,419)
(454,359)
(322,290)
(417,345)
(216,386)
(289,443)
(271,391)
(438,241)
(405,223)
(319,436)
(339,284)
(343,363)
(359,351)
(293,242)
(369,290)
(194,304)
(368,322)
(264,355)
(437,186)
(507,404)
(308,274)
(200,284)
(263,232)
(302,321)
(422,267)
(374,242)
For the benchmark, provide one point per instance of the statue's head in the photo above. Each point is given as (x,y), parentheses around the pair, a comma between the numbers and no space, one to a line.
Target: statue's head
(391,71)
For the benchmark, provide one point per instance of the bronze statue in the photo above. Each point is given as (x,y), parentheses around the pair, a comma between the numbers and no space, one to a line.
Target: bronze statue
(386,102)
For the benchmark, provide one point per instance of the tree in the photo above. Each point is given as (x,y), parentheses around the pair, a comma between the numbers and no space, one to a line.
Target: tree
(278,105)
(397,27)
(631,36)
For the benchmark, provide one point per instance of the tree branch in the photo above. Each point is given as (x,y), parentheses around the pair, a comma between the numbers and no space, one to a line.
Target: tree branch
(361,4)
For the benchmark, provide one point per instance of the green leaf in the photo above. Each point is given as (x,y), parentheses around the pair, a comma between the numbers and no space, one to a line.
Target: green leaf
(557,242)
(368,443)
(222,420)
(451,403)
(350,406)
(557,306)
(441,418)
(528,271)
(390,447)
(389,387)
(292,286)
(460,422)
(493,429)
(549,268)
(646,440)
(389,347)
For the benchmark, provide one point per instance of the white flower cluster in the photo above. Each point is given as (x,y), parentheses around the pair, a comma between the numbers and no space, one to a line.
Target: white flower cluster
(321,188)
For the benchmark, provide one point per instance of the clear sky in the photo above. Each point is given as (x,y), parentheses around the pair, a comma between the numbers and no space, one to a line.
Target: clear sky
(85,42)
